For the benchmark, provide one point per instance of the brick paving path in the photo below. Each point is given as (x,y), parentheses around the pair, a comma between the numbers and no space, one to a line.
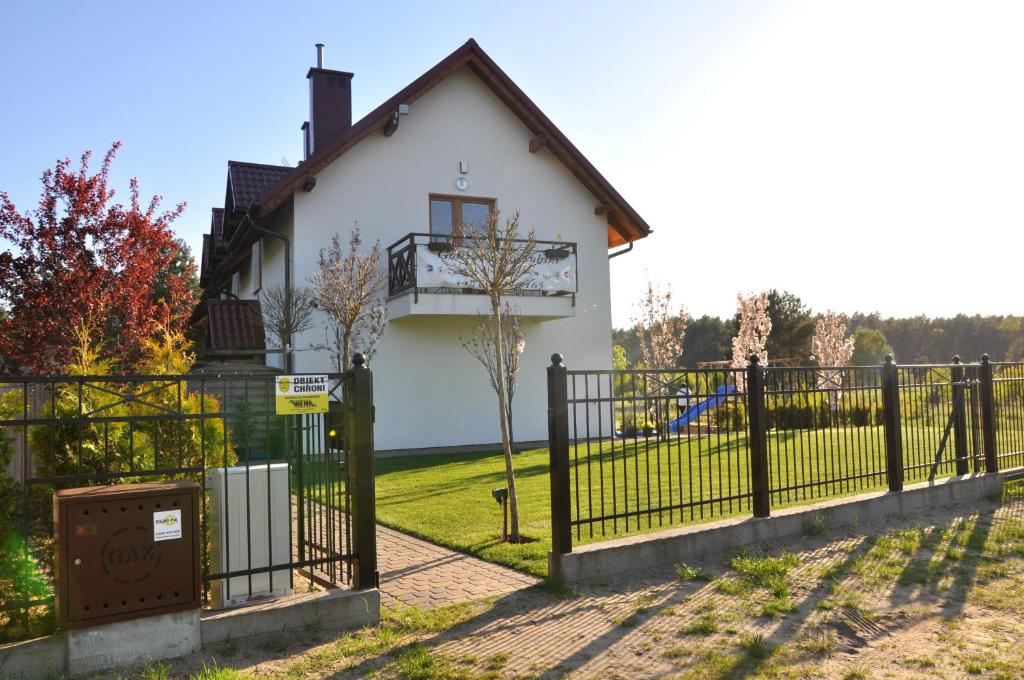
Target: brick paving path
(416,572)
(419,573)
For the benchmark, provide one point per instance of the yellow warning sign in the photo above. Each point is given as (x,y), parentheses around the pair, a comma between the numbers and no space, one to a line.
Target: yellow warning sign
(297,394)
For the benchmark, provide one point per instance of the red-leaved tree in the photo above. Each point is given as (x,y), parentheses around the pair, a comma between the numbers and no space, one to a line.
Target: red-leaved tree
(80,261)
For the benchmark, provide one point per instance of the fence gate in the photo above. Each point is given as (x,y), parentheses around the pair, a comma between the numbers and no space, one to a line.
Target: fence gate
(946,399)
(332,467)
(323,531)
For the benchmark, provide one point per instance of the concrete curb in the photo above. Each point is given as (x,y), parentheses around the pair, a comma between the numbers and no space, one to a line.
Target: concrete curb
(619,557)
(127,643)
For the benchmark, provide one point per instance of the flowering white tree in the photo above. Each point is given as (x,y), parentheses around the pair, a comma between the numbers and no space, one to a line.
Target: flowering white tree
(498,262)
(755,325)
(481,344)
(349,288)
(660,335)
(830,347)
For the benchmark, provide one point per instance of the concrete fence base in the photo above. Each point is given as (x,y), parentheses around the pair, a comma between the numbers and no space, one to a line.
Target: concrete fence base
(623,557)
(126,643)
(102,648)
(332,610)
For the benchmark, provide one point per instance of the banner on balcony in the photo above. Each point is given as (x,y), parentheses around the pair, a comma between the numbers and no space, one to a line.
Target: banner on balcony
(554,273)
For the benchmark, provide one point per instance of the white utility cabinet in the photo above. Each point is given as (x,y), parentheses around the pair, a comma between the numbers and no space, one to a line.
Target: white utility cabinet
(249,530)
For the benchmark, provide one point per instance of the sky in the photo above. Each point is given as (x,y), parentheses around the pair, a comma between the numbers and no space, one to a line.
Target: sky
(868,156)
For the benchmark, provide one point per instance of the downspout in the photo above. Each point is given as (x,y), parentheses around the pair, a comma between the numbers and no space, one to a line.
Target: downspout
(287,279)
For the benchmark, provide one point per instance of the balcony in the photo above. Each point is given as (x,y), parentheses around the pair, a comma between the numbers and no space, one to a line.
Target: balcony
(421,282)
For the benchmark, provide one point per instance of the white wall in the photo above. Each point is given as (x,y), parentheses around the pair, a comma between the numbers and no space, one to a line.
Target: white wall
(429,391)
(272,268)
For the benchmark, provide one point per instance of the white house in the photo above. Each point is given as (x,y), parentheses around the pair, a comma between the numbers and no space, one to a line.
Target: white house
(460,140)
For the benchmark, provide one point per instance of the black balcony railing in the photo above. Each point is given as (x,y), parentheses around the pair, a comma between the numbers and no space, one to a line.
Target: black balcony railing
(416,265)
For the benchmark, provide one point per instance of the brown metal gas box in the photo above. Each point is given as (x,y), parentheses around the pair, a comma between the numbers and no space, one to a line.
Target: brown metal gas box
(126,551)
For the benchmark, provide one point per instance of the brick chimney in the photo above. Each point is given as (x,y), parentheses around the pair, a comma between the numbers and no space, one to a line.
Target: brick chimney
(330,103)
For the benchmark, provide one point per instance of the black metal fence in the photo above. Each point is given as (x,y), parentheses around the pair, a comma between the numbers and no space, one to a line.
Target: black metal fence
(1007,406)
(281,495)
(635,450)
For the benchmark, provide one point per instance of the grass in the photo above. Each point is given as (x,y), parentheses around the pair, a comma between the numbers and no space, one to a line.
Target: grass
(558,588)
(497,661)
(777,606)
(765,571)
(419,663)
(446,498)
(705,625)
(162,671)
(218,673)
(754,571)
(755,647)
(397,635)
(816,524)
(687,572)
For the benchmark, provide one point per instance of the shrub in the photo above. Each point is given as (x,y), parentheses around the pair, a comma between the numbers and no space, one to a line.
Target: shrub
(730,417)
(638,424)
(22,576)
(810,410)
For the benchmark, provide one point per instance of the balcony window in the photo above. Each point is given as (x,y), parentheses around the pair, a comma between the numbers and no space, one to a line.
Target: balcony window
(469,212)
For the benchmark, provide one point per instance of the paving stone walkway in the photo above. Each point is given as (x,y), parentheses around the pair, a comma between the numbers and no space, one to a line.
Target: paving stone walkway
(416,572)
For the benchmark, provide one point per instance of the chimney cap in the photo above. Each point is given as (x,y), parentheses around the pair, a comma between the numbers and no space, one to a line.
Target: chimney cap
(314,69)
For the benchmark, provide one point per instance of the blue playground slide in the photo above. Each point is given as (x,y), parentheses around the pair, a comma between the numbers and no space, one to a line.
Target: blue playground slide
(697,409)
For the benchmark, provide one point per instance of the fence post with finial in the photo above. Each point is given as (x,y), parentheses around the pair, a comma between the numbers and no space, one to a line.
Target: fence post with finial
(757,419)
(988,415)
(558,447)
(959,415)
(891,422)
(359,441)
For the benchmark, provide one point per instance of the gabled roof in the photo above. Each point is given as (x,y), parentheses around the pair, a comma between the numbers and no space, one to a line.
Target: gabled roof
(235,325)
(624,224)
(248,181)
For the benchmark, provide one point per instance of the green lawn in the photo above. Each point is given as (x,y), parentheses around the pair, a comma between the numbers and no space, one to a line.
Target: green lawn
(447,498)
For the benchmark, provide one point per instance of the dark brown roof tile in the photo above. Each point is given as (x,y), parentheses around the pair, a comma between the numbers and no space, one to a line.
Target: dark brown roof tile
(249,180)
(235,324)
